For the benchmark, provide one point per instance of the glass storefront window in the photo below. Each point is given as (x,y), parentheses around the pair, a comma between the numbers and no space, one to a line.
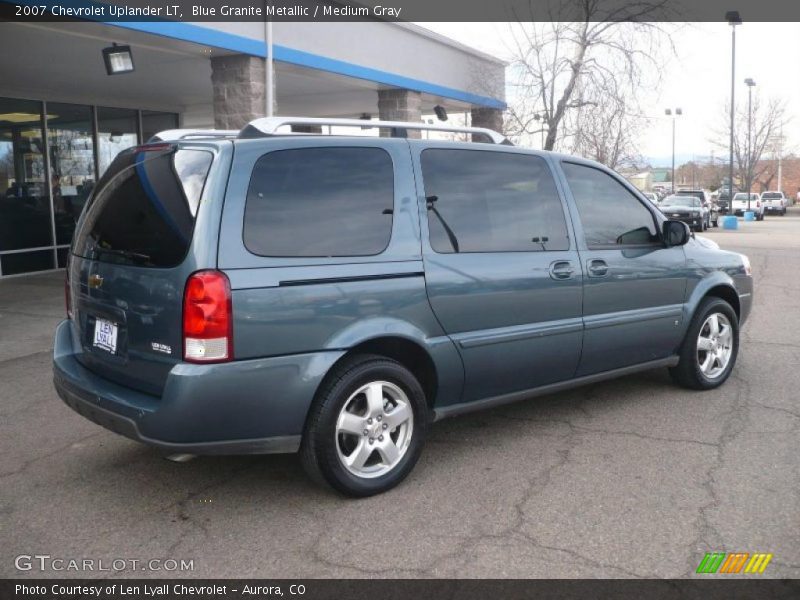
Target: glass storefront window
(116,130)
(24,203)
(26,262)
(153,122)
(69,131)
(28,213)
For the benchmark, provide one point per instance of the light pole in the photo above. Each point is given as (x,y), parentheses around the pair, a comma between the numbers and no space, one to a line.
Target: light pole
(541,117)
(733,19)
(678,112)
(748,165)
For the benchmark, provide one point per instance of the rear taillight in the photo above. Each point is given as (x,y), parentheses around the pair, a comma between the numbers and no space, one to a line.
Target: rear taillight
(207,318)
(67,297)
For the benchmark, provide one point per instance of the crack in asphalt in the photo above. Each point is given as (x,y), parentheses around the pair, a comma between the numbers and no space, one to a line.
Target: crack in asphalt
(735,420)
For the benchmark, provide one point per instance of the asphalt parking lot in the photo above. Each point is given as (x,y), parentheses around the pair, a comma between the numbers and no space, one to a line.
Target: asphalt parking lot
(628,478)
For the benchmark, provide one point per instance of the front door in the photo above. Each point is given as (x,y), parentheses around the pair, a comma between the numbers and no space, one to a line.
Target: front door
(634,286)
(502,272)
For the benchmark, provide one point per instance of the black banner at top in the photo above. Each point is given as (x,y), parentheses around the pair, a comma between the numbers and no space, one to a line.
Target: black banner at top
(399,10)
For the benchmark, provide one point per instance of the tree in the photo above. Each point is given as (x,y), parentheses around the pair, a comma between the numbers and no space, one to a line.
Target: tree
(586,48)
(606,129)
(767,120)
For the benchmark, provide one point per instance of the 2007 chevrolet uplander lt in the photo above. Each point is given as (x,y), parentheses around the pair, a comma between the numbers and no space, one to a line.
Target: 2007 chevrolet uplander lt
(334,294)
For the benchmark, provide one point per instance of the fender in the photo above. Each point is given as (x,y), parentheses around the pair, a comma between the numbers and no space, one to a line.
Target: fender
(441,349)
(701,288)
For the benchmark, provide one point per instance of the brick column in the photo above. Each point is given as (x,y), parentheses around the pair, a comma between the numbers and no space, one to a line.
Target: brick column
(400,105)
(490,118)
(239,90)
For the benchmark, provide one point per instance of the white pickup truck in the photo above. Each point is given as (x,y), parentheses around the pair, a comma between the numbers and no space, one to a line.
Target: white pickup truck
(740,205)
(774,202)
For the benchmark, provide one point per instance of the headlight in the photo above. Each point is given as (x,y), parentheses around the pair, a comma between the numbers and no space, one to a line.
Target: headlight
(746,263)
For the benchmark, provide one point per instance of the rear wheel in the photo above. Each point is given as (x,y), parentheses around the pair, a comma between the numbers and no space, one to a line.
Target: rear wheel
(366,428)
(709,351)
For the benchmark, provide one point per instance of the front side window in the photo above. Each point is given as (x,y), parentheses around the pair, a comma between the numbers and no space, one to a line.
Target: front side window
(320,202)
(480,201)
(611,215)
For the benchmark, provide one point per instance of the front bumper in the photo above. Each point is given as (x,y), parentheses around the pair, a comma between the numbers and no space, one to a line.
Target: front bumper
(243,407)
(690,220)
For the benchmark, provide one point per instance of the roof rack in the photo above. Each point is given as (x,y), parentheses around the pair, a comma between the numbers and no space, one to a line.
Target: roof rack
(269,126)
(171,135)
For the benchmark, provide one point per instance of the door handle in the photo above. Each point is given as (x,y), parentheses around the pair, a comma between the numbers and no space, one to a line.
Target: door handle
(562,269)
(597,267)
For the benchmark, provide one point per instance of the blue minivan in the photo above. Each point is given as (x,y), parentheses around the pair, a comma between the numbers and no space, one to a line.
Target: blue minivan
(269,291)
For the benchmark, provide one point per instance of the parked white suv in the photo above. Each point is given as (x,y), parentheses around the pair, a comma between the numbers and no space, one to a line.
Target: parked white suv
(774,202)
(740,205)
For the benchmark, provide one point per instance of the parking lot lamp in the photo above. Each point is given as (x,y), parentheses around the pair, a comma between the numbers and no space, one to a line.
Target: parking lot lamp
(678,112)
(750,85)
(733,19)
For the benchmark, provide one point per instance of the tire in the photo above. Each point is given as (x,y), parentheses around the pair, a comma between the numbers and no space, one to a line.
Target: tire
(713,372)
(384,455)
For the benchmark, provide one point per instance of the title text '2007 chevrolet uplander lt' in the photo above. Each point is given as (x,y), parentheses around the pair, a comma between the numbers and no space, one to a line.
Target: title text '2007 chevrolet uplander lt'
(259,291)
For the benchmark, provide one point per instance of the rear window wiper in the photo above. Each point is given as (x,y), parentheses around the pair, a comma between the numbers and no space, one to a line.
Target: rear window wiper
(124,253)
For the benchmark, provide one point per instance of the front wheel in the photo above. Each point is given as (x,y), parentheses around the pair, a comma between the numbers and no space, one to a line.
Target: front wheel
(366,428)
(709,351)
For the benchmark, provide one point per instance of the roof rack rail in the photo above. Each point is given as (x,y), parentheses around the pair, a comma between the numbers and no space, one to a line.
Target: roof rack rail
(171,135)
(268,126)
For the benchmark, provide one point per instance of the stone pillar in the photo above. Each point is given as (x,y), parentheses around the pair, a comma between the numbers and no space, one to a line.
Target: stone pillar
(239,90)
(400,105)
(490,118)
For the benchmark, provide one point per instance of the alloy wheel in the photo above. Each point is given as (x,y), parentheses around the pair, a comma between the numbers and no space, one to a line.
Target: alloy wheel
(714,345)
(374,429)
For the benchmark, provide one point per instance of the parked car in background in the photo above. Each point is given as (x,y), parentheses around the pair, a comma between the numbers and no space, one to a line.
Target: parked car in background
(723,201)
(711,208)
(652,197)
(743,202)
(774,202)
(688,209)
(336,294)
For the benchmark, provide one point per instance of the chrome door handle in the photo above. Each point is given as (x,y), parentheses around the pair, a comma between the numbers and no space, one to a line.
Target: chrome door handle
(597,267)
(562,269)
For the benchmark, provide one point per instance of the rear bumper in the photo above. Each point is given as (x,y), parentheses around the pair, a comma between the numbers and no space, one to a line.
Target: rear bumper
(244,407)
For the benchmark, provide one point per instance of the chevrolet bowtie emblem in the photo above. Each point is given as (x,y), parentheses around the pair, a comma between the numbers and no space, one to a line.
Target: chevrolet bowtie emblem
(95,280)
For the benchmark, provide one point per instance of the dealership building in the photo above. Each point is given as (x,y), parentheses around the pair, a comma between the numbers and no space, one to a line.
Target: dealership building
(63,117)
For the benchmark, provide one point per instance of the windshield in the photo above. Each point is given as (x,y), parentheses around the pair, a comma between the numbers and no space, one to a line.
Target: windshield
(685,201)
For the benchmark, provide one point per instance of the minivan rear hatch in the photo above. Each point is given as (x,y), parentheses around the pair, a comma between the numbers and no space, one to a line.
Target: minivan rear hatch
(125,281)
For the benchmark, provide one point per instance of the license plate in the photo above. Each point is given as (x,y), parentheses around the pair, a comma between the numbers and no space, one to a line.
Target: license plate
(105,335)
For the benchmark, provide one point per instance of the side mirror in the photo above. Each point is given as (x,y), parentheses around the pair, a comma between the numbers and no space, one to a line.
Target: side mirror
(676,233)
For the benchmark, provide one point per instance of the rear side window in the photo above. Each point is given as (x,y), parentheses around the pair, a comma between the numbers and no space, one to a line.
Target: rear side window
(320,202)
(144,208)
(481,201)
(611,215)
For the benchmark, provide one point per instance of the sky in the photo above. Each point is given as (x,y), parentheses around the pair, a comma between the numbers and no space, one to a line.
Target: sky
(697,78)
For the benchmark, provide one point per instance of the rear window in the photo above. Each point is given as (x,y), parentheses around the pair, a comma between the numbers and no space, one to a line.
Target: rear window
(144,208)
(320,202)
(771,196)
